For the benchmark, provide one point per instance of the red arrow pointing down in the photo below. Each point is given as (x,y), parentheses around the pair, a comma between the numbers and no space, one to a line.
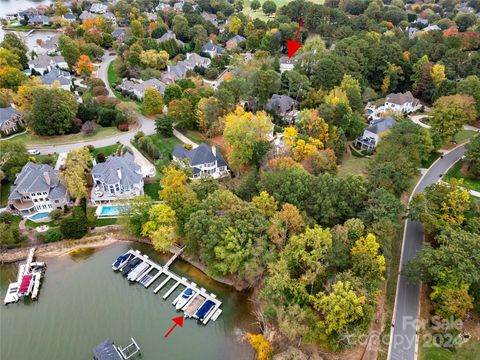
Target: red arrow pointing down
(178,321)
(294,45)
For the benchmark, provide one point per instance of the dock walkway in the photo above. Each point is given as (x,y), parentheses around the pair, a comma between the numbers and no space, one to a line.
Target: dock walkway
(201,295)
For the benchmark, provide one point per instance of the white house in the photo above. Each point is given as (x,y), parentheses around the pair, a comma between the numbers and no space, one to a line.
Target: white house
(110,17)
(404,103)
(117,179)
(212,49)
(287,64)
(371,135)
(98,8)
(36,189)
(138,87)
(203,160)
(44,63)
(194,60)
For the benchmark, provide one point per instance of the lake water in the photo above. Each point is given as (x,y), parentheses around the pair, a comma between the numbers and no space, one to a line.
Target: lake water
(13,6)
(83,302)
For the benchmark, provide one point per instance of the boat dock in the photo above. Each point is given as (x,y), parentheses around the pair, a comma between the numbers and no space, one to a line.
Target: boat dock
(108,350)
(148,272)
(28,280)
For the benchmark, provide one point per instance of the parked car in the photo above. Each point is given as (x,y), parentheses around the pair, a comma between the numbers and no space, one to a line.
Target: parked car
(34,152)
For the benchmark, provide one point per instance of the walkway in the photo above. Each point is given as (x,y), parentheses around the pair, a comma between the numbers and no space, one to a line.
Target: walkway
(416,119)
(403,337)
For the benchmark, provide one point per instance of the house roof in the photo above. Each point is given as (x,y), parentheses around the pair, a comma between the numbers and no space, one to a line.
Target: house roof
(51,42)
(169,35)
(118,33)
(237,39)
(69,16)
(178,71)
(152,83)
(63,77)
(194,59)
(86,15)
(400,98)
(109,15)
(7,113)
(39,18)
(33,178)
(210,46)
(41,61)
(379,126)
(202,154)
(118,169)
(280,103)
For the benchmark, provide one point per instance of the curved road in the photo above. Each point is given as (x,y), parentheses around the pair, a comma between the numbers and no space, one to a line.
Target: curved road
(403,332)
(145,124)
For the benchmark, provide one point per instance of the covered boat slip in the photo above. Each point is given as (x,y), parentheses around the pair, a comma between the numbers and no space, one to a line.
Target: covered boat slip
(107,350)
(146,272)
(28,280)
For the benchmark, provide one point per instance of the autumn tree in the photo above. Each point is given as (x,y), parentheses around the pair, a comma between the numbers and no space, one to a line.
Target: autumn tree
(367,262)
(137,214)
(265,204)
(450,113)
(160,227)
(153,102)
(75,172)
(263,347)
(242,131)
(84,66)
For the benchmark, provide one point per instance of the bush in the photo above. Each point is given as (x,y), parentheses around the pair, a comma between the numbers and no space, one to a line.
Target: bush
(164,126)
(122,127)
(107,102)
(138,135)
(52,235)
(107,117)
(74,226)
(255,4)
(100,158)
(87,111)
(55,214)
(94,82)
(99,91)
(88,127)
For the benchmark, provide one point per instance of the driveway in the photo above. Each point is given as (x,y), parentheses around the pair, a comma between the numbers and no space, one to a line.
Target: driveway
(403,332)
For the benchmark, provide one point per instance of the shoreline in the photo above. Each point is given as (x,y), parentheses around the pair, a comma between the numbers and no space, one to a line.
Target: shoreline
(64,247)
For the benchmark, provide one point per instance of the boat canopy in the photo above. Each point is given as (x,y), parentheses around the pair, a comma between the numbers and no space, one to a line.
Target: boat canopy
(25,284)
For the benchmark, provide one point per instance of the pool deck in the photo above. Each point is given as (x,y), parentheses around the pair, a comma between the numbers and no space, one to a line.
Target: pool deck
(145,278)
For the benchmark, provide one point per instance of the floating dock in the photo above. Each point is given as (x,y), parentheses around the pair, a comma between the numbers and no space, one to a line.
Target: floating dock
(108,350)
(147,272)
(28,280)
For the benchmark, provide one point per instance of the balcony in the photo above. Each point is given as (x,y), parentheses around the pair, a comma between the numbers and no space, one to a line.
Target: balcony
(22,205)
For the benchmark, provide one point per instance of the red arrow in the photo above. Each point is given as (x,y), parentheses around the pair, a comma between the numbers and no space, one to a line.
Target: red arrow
(177,321)
(293,45)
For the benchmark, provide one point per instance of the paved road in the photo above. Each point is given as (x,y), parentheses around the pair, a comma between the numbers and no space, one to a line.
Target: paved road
(403,334)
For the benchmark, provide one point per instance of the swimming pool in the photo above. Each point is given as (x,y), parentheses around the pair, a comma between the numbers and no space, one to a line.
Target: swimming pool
(39,216)
(111,210)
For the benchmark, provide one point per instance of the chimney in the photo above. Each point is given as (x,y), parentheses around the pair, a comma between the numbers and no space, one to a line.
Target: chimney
(214,150)
(46,176)
(211,41)
(119,173)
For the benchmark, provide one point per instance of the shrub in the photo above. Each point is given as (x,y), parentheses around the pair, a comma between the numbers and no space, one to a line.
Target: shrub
(100,158)
(107,117)
(89,127)
(122,127)
(55,214)
(52,235)
(107,102)
(94,82)
(74,226)
(99,90)
(138,135)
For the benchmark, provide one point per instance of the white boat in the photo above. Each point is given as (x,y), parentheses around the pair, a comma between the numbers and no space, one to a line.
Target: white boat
(138,271)
(183,299)
(12,294)
(120,261)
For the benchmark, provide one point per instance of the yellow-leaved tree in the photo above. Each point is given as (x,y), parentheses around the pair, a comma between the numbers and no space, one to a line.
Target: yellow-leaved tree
(161,227)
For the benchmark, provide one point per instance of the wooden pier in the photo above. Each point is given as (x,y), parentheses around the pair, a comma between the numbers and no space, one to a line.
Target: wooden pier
(145,278)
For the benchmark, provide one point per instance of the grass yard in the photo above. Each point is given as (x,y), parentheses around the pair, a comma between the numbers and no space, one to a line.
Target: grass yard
(106,222)
(112,73)
(247,10)
(166,146)
(32,224)
(455,173)
(100,133)
(113,78)
(352,165)
(106,150)
(468,351)
(152,189)
(464,135)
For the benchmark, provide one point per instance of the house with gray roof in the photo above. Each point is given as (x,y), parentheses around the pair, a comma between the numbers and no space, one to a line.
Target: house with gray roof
(402,102)
(282,106)
(178,72)
(36,189)
(233,42)
(10,120)
(193,60)
(44,63)
(70,17)
(202,160)
(371,135)
(98,8)
(57,78)
(110,17)
(212,49)
(86,15)
(119,34)
(39,20)
(117,179)
(138,87)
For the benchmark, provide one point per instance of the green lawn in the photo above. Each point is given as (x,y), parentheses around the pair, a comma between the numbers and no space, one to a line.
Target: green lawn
(455,172)
(152,189)
(247,10)
(50,159)
(464,135)
(352,165)
(112,73)
(166,146)
(468,351)
(105,222)
(106,150)
(100,133)
(4,192)
(32,224)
